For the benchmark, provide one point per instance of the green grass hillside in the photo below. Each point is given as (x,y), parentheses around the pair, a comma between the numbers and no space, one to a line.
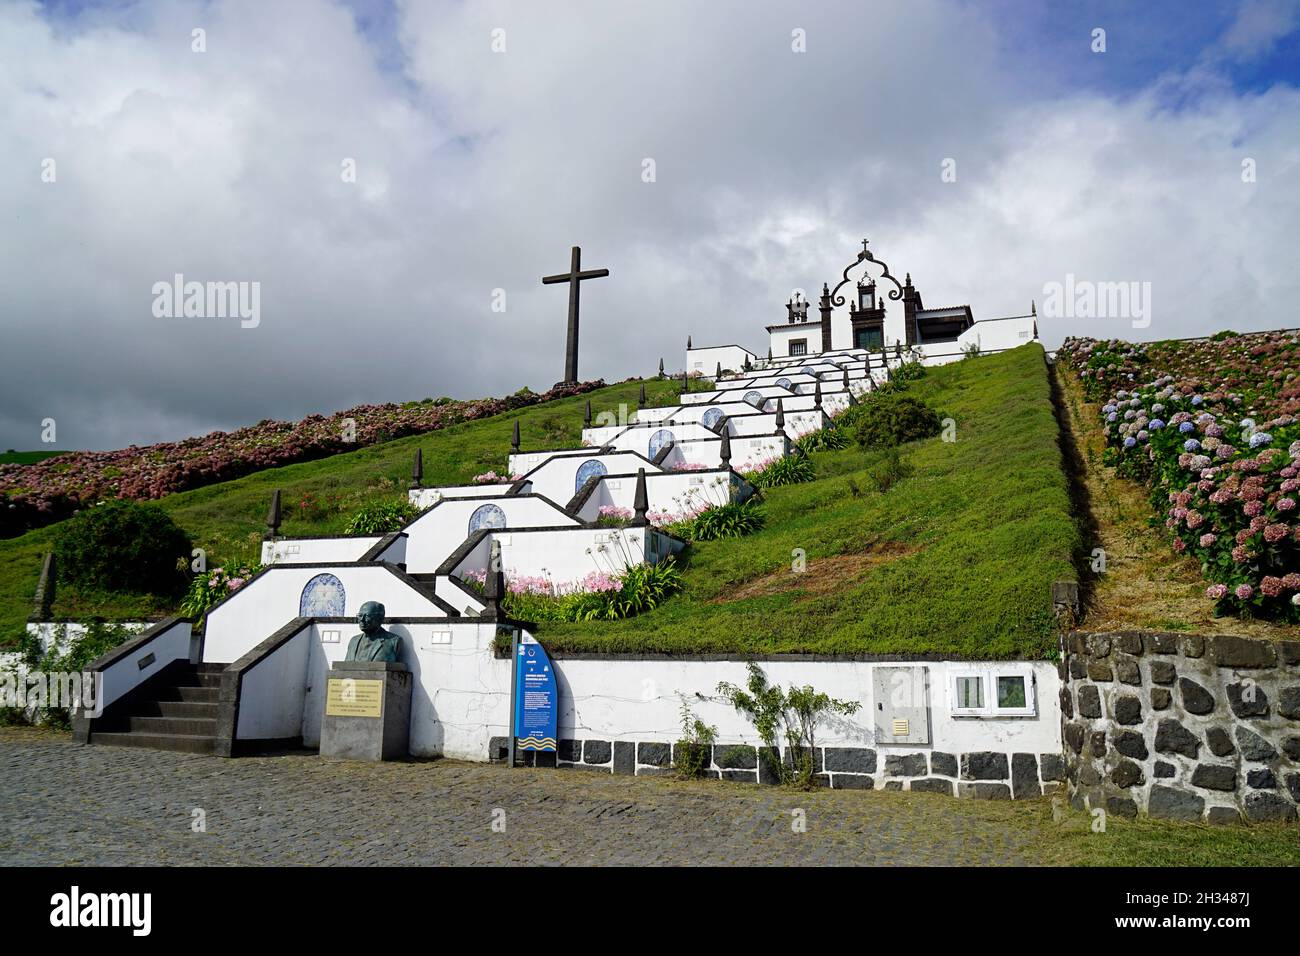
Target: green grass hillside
(957,559)
(227,519)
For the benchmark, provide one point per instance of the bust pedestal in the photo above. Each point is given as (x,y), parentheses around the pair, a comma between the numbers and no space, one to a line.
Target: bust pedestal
(367,711)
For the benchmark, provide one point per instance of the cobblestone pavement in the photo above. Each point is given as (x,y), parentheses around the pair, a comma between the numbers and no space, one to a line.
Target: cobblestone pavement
(62,803)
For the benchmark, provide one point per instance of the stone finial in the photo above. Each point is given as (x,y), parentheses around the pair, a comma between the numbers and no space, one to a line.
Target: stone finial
(417,470)
(769,353)
(273,515)
(640,501)
(586,416)
(780,416)
(640,397)
(817,394)
(1033,309)
(724,452)
(686,382)
(718,374)
(661,367)
(43,600)
(514,438)
(688,343)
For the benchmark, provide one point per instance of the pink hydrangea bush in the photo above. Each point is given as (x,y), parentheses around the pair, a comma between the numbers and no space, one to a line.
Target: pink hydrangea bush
(1212,426)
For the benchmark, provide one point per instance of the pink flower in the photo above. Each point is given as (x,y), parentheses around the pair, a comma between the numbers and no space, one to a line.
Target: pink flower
(1208,539)
(1243,592)
(1285,504)
(1216,592)
(1252,508)
(1271,586)
(1275,532)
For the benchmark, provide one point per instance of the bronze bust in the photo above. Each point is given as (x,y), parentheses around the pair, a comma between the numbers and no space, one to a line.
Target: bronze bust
(373,643)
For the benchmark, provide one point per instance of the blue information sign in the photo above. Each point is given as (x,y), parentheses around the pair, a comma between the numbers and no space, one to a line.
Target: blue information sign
(535,697)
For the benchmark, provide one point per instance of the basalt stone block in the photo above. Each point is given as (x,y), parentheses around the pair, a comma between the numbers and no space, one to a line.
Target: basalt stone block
(850,759)
(1168,803)
(1129,642)
(787,758)
(499,749)
(1067,703)
(570,750)
(1291,747)
(1215,777)
(1173,738)
(905,765)
(596,751)
(1293,785)
(1097,743)
(1164,770)
(1247,699)
(1253,746)
(624,757)
(654,754)
(1100,671)
(1160,698)
(1089,701)
(1196,699)
(1128,710)
(1192,645)
(1161,643)
(1098,645)
(1077,670)
(1074,737)
(1131,744)
(735,756)
(740,776)
(1053,766)
(1126,774)
(1024,776)
(943,764)
(1122,807)
(691,754)
(986,791)
(851,781)
(1223,816)
(932,785)
(1261,779)
(893,785)
(1289,651)
(1088,776)
(1242,652)
(1220,744)
(1288,702)
(984,765)
(1163,672)
(1127,670)
(1265,807)
(767,757)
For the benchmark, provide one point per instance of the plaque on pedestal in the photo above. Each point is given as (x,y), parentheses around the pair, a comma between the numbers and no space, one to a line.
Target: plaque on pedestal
(367,711)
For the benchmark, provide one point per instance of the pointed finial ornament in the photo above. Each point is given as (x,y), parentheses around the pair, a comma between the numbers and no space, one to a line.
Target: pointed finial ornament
(661,367)
(417,470)
(514,438)
(780,416)
(724,452)
(688,342)
(586,416)
(640,501)
(273,515)
(817,394)
(640,398)
(718,374)
(1033,309)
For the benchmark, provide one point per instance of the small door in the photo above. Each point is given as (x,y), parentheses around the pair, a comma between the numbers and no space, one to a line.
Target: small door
(900,698)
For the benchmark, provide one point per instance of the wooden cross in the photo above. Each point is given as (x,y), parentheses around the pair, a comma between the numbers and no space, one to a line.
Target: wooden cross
(573,277)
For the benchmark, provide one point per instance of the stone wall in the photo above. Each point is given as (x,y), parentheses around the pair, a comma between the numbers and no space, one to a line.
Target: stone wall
(1181,726)
(987,775)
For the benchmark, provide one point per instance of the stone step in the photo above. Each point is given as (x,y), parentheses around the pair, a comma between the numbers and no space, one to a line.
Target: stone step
(182,742)
(210,668)
(178,708)
(182,726)
(201,695)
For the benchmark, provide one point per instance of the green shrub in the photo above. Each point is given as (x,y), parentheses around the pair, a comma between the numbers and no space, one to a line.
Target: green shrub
(124,546)
(210,587)
(381,517)
(64,655)
(888,470)
(790,470)
(785,716)
(887,420)
(641,587)
(735,519)
(909,371)
(829,438)
(694,750)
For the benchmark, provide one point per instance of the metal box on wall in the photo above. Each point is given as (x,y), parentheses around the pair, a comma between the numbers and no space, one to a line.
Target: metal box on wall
(900,697)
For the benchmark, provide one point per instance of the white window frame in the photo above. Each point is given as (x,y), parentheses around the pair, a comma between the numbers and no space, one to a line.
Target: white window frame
(988,677)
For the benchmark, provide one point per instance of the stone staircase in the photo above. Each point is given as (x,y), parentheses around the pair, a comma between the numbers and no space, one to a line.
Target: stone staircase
(177,710)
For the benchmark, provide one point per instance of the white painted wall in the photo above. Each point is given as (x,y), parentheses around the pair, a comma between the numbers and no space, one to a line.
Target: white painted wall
(524,462)
(271,600)
(425,497)
(442,529)
(810,332)
(320,550)
(670,492)
(745,452)
(271,694)
(557,478)
(705,360)
(565,557)
(125,674)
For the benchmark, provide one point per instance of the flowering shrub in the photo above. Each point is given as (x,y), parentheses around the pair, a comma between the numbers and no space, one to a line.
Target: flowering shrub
(600,596)
(612,516)
(207,589)
(492,478)
(381,517)
(787,470)
(1211,427)
(50,490)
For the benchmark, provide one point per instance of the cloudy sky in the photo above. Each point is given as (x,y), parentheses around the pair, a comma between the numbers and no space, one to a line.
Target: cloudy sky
(487,138)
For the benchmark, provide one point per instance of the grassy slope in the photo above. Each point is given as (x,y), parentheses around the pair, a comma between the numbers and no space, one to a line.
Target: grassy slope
(27,457)
(958,559)
(227,519)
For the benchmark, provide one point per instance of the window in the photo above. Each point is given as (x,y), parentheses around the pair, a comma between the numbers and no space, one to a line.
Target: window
(993,692)
(870,339)
(798,346)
